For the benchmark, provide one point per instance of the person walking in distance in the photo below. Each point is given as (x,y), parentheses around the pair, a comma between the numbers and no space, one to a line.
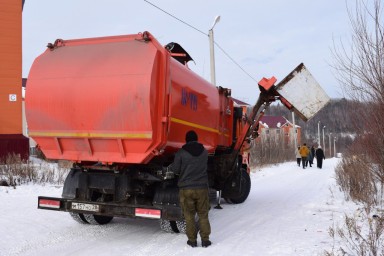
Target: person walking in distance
(311,155)
(190,164)
(309,159)
(298,156)
(319,157)
(304,152)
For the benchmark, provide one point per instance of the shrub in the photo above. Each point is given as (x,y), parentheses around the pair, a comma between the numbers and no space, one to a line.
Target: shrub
(361,235)
(15,171)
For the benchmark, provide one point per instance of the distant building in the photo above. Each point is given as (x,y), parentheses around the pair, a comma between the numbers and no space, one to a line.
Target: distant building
(279,130)
(242,104)
(275,128)
(12,140)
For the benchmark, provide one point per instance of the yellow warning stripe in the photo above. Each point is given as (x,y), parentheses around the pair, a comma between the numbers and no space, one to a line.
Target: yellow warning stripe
(179,121)
(119,135)
(92,135)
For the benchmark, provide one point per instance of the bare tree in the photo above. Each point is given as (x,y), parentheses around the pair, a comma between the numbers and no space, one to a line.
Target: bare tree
(360,70)
(359,67)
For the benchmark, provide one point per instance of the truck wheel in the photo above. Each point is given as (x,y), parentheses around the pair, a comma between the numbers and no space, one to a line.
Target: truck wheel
(97,219)
(169,226)
(78,217)
(181,226)
(245,188)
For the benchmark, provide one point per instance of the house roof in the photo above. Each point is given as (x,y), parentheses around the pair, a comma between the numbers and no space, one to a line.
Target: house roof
(239,102)
(274,121)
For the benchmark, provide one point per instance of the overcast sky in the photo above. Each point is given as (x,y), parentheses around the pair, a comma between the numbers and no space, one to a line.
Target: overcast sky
(266,37)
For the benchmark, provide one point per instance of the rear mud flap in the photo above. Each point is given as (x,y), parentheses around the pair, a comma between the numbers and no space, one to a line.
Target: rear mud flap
(167,198)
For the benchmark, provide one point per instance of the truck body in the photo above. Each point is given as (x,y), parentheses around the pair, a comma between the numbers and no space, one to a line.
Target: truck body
(119,108)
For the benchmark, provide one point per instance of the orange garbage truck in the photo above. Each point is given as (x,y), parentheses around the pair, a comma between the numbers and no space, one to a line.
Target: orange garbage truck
(119,107)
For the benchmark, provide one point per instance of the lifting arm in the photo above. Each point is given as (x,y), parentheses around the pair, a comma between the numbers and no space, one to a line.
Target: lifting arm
(267,95)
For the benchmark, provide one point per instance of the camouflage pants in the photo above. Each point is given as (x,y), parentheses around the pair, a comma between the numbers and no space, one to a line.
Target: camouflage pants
(196,201)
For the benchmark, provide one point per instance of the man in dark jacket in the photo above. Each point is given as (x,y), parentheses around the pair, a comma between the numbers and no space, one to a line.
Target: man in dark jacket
(191,165)
(319,157)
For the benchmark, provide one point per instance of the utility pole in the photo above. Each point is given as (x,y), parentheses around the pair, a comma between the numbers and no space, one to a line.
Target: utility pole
(318,133)
(334,146)
(323,140)
(294,130)
(330,144)
(212,50)
(213,78)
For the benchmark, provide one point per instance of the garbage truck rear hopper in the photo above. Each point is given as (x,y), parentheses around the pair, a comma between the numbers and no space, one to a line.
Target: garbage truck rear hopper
(119,107)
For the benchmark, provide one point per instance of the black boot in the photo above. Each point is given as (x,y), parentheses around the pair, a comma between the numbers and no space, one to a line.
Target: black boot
(205,243)
(191,243)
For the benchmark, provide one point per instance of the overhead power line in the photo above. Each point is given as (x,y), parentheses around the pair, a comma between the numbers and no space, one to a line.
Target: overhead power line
(237,64)
(173,16)
(200,31)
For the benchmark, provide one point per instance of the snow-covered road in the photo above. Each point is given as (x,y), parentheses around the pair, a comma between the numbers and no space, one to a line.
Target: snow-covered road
(288,212)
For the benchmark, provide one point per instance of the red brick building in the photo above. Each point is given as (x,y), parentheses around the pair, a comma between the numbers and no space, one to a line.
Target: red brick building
(279,130)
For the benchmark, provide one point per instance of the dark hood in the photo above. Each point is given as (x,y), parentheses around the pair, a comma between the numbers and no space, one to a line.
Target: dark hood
(194,148)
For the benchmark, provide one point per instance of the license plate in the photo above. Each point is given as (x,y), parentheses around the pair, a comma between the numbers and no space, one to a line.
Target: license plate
(148,213)
(85,207)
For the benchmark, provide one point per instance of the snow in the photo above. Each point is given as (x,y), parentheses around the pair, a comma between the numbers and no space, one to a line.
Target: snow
(264,124)
(288,212)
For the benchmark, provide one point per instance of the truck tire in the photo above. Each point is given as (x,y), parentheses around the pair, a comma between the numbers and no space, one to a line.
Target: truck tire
(181,226)
(97,219)
(78,217)
(245,188)
(169,226)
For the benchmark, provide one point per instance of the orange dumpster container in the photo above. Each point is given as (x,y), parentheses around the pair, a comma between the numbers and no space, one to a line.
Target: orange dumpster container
(119,99)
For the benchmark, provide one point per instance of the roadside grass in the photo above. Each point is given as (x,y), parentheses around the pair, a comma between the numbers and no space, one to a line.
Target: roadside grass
(14,171)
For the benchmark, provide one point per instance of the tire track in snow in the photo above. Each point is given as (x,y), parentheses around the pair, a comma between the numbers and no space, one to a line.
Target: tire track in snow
(56,237)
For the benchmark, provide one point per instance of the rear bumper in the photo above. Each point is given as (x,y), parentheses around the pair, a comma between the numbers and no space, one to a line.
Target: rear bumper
(110,209)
